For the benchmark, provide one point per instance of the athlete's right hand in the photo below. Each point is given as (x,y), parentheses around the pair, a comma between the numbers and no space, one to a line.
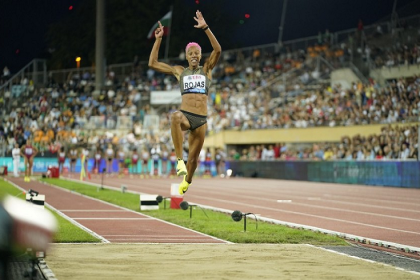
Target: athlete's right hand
(159,31)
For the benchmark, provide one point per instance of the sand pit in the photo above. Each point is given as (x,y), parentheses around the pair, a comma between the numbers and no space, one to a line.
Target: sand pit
(210,261)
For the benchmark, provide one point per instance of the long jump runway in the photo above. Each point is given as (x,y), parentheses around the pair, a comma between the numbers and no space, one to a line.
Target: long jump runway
(373,212)
(112,223)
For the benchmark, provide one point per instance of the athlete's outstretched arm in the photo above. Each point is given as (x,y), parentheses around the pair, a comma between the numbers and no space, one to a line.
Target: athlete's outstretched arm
(153,59)
(217,49)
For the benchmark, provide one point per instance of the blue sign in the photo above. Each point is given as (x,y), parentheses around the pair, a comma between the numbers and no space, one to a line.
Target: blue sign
(376,173)
(41,166)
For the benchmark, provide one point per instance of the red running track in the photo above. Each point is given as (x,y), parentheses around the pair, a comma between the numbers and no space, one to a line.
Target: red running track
(112,223)
(380,213)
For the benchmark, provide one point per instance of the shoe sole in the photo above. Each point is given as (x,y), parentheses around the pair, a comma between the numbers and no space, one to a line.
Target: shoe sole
(181,173)
(182,192)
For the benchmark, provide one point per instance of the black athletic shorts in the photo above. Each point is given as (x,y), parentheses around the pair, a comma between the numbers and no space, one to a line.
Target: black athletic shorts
(195,120)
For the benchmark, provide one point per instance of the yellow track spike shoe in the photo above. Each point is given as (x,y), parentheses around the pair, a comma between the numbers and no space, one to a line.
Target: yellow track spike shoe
(181,169)
(183,187)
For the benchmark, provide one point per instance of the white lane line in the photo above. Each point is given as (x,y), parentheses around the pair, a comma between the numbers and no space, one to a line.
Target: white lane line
(141,214)
(117,219)
(284,201)
(316,229)
(90,210)
(356,212)
(104,240)
(292,194)
(310,215)
(152,235)
(367,260)
(186,240)
(335,209)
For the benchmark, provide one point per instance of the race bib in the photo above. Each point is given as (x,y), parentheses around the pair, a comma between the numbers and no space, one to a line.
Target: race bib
(194,83)
(28,151)
(135,156)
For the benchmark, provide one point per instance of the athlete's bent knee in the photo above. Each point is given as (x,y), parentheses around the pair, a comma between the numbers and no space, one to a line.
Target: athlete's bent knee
(176,117)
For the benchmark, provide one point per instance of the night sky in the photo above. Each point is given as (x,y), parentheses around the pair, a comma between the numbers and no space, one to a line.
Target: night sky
(24,23)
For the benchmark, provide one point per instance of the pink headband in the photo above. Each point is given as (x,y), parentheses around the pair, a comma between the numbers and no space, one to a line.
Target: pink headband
(192,44)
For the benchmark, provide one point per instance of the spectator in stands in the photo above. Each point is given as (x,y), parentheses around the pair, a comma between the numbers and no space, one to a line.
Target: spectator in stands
(165,159)
(16,160)
(6,73)
(145,156)
(61,156)
(73,155)
(172,160)
(155,155)
(28,152)
(318,152)
(234,155)
(121,161)
(97,160)
(328,155)
(109,158)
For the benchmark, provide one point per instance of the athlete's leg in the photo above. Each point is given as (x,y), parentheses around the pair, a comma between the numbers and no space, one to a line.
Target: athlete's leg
(179,123)
(26,167)
(195,141)
(195,144)
(30,164)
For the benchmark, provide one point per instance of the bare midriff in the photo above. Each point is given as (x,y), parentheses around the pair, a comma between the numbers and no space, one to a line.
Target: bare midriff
(195,103)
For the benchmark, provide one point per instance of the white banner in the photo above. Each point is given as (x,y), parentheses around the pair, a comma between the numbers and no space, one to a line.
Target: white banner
(165,97)
(151,122)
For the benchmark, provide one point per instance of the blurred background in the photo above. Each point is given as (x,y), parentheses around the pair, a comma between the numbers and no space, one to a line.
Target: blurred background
(318,81)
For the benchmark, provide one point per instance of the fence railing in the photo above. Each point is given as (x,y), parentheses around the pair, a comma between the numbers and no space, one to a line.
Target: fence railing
(103,122)
(35,71)
(30,76)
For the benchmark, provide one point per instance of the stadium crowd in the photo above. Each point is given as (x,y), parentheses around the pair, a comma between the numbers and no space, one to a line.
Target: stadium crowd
(241,98)
(393,143)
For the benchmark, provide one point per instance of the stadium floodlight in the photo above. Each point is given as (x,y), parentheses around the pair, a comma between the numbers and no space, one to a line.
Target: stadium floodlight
(78,59)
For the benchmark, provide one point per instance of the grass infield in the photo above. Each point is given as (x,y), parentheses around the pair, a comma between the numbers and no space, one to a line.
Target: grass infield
(66,233)
(213,223)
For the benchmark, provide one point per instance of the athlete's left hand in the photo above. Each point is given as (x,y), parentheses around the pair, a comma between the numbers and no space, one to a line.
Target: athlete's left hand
(200,20)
